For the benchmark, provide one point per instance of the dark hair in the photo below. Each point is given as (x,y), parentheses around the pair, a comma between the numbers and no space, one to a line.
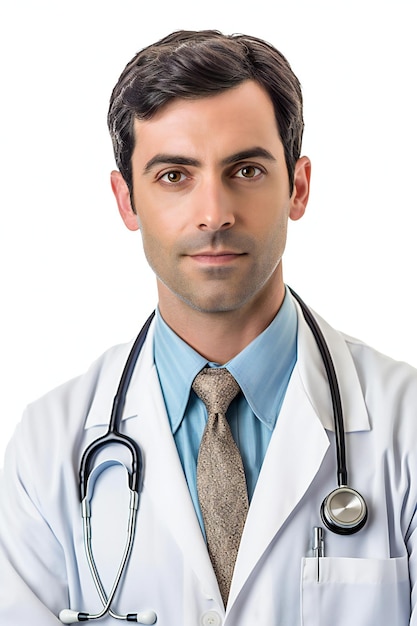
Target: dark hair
(194,64)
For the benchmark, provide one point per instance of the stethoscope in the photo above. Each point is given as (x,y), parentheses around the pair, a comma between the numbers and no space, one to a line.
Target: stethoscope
(343,511)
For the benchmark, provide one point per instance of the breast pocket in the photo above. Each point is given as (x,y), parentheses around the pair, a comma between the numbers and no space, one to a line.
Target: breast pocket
(364,592)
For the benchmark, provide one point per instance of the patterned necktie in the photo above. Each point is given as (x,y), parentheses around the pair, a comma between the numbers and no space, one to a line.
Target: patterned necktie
(221,482)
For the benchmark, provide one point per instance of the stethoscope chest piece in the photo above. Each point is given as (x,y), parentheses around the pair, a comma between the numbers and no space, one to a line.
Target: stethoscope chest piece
(344,511)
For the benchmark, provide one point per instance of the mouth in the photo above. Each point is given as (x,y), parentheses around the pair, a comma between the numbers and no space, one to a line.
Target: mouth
(218,257)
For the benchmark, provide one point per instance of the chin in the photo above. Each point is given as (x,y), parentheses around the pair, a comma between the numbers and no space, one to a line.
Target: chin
(216,304)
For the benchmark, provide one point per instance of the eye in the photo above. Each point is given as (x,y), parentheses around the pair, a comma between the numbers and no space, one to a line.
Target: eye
(248,171)
(173,177)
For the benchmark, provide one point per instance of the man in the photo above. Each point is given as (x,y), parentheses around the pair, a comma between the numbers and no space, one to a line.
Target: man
(207,135)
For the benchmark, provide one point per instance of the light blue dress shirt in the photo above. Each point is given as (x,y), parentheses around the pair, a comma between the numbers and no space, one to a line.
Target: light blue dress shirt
(262,370)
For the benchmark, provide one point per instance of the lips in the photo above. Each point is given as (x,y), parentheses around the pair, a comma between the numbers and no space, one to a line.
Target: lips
(218,257)
(217,253)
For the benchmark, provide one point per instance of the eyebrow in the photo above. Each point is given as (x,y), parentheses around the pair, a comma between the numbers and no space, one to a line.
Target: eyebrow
(178,159)
(164,159)
(250,153)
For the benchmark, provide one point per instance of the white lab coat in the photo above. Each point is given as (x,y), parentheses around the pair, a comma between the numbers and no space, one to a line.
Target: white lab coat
(366,579)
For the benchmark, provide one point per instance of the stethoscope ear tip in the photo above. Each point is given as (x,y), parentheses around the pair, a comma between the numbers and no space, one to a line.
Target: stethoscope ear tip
(146,617)
(67,616)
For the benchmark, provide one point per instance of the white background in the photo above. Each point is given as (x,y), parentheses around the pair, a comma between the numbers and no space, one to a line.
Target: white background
(73,279)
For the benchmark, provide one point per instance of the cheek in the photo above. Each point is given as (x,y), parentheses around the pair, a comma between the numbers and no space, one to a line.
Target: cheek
(160,215)
(268,222)
(158,236)
(272,242)
(159,245)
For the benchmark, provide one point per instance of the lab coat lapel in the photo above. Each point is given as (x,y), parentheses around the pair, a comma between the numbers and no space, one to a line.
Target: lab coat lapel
(164,479)
(145,419)
(299,442)
(293,458)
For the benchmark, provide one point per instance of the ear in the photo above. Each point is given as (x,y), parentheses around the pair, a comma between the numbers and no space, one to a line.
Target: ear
(301,191)
(122,195)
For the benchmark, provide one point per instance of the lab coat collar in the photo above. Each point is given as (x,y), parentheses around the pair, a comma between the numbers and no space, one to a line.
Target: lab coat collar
(313,375)
(309,363)
(113,362)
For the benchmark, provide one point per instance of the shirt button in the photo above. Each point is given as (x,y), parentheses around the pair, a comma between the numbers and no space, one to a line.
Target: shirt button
(211,618)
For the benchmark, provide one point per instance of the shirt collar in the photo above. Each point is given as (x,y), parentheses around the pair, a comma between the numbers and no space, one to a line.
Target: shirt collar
(177,365)
(261,373)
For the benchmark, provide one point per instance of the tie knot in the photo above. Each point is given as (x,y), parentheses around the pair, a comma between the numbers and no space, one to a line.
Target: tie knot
(216,387)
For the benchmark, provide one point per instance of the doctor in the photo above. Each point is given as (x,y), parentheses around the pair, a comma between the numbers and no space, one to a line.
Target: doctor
(207,136)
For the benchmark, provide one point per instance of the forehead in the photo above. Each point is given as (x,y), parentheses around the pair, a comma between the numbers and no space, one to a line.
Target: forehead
(237,117)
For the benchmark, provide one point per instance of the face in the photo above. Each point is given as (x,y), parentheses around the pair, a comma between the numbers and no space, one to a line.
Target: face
(212,201)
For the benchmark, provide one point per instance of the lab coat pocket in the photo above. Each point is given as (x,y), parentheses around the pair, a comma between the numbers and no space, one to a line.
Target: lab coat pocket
(346,591)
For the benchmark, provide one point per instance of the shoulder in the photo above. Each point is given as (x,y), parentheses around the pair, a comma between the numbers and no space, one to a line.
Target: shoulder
(374,369)
(389,391)
(59,414)
(378,367)
(386,383)
(388,386)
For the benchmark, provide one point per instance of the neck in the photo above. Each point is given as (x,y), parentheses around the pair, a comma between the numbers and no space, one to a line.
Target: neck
(220,336)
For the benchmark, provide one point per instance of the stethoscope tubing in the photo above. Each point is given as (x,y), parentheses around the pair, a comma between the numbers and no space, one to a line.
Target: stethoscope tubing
(342,475)
(344,510)
(107,600)
(113,435)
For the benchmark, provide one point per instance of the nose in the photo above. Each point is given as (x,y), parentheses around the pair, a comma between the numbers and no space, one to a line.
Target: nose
(215,208)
